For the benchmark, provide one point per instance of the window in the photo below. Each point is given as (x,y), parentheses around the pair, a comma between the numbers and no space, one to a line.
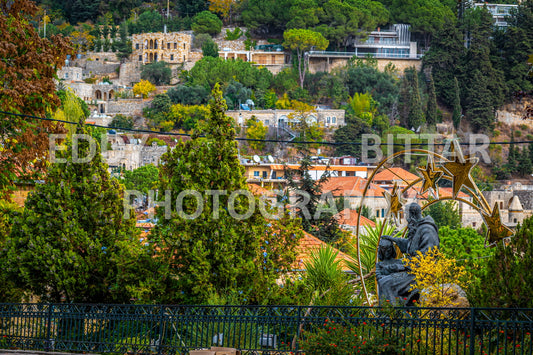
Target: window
(264,174)
(334,120)
(175,45)
(382,212)
(172,57)
(183,45)
(377,214)
(256,173)
(274,175)
(140,58)
(328,120)
(473,224)
(136,45)
(168,45)
(514,220)
(66,75)
(266,122)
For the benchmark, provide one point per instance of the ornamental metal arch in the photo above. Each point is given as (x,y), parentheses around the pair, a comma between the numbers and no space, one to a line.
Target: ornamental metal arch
(457,169)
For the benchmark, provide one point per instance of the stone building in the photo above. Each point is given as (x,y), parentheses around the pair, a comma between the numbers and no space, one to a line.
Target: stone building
(172,47)
(70,73)
(275,118)
(515,202)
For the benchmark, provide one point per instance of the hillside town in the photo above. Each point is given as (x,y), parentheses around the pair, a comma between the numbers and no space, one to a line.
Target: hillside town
(223,177)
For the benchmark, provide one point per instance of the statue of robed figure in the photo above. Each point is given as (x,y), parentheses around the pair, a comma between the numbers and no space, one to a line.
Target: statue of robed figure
(393,277)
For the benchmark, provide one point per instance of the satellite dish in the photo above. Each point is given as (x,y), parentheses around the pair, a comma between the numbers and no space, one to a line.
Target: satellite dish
(257,159)
(250,102)
(270,159)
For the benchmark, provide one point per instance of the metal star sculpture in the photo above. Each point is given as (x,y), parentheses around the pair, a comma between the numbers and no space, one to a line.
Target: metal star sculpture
(395,203)
(496,230)
(430,176)
(459,169)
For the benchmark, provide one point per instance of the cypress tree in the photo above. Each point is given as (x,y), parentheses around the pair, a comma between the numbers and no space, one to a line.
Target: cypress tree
(210,251)
(73,241)
(431,107)
(481,83)
(525,164)
(410,105)
(443,57)
(512,159)
(457,110)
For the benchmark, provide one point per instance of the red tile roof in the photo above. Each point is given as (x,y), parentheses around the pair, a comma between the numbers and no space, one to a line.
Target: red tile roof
(349,217)
(395,174)
(310,244)
(351,186)
(443,192)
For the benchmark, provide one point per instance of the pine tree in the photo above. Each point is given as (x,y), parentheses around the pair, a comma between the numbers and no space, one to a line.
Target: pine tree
(457,110)
(431,107)
(507,280)
(216,253)
(73,242)
(325,227)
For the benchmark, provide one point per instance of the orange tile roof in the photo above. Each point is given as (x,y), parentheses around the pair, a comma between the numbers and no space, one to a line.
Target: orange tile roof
(395,174)
(308,245)
(351,186)
(349,217)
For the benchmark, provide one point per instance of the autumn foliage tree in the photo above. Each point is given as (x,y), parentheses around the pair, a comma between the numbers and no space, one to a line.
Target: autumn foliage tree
(143,88)
(28,66)
(223,7)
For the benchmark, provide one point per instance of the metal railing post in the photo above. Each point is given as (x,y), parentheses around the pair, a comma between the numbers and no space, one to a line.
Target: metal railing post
(161,330)
(472,331)
(49,327)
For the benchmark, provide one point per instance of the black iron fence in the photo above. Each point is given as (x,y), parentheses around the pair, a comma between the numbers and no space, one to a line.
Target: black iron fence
(162,329)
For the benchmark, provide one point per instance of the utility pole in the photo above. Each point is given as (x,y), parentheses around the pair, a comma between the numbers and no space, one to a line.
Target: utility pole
(168,9)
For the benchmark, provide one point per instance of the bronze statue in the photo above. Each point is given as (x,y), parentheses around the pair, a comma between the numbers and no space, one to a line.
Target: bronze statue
(394,280)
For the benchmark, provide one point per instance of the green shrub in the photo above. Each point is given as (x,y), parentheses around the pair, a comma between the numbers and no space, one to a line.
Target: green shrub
(233,35)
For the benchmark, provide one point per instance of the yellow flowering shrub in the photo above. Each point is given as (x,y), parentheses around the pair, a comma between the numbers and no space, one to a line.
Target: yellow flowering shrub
(436,277)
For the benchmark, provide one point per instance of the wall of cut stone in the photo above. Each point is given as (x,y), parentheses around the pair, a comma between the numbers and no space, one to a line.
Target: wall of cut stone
(130,73)
(129,107)
(318,64)
(82,90)
(93,68)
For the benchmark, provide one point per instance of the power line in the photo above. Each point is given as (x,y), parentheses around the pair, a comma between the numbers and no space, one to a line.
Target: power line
(256,140)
